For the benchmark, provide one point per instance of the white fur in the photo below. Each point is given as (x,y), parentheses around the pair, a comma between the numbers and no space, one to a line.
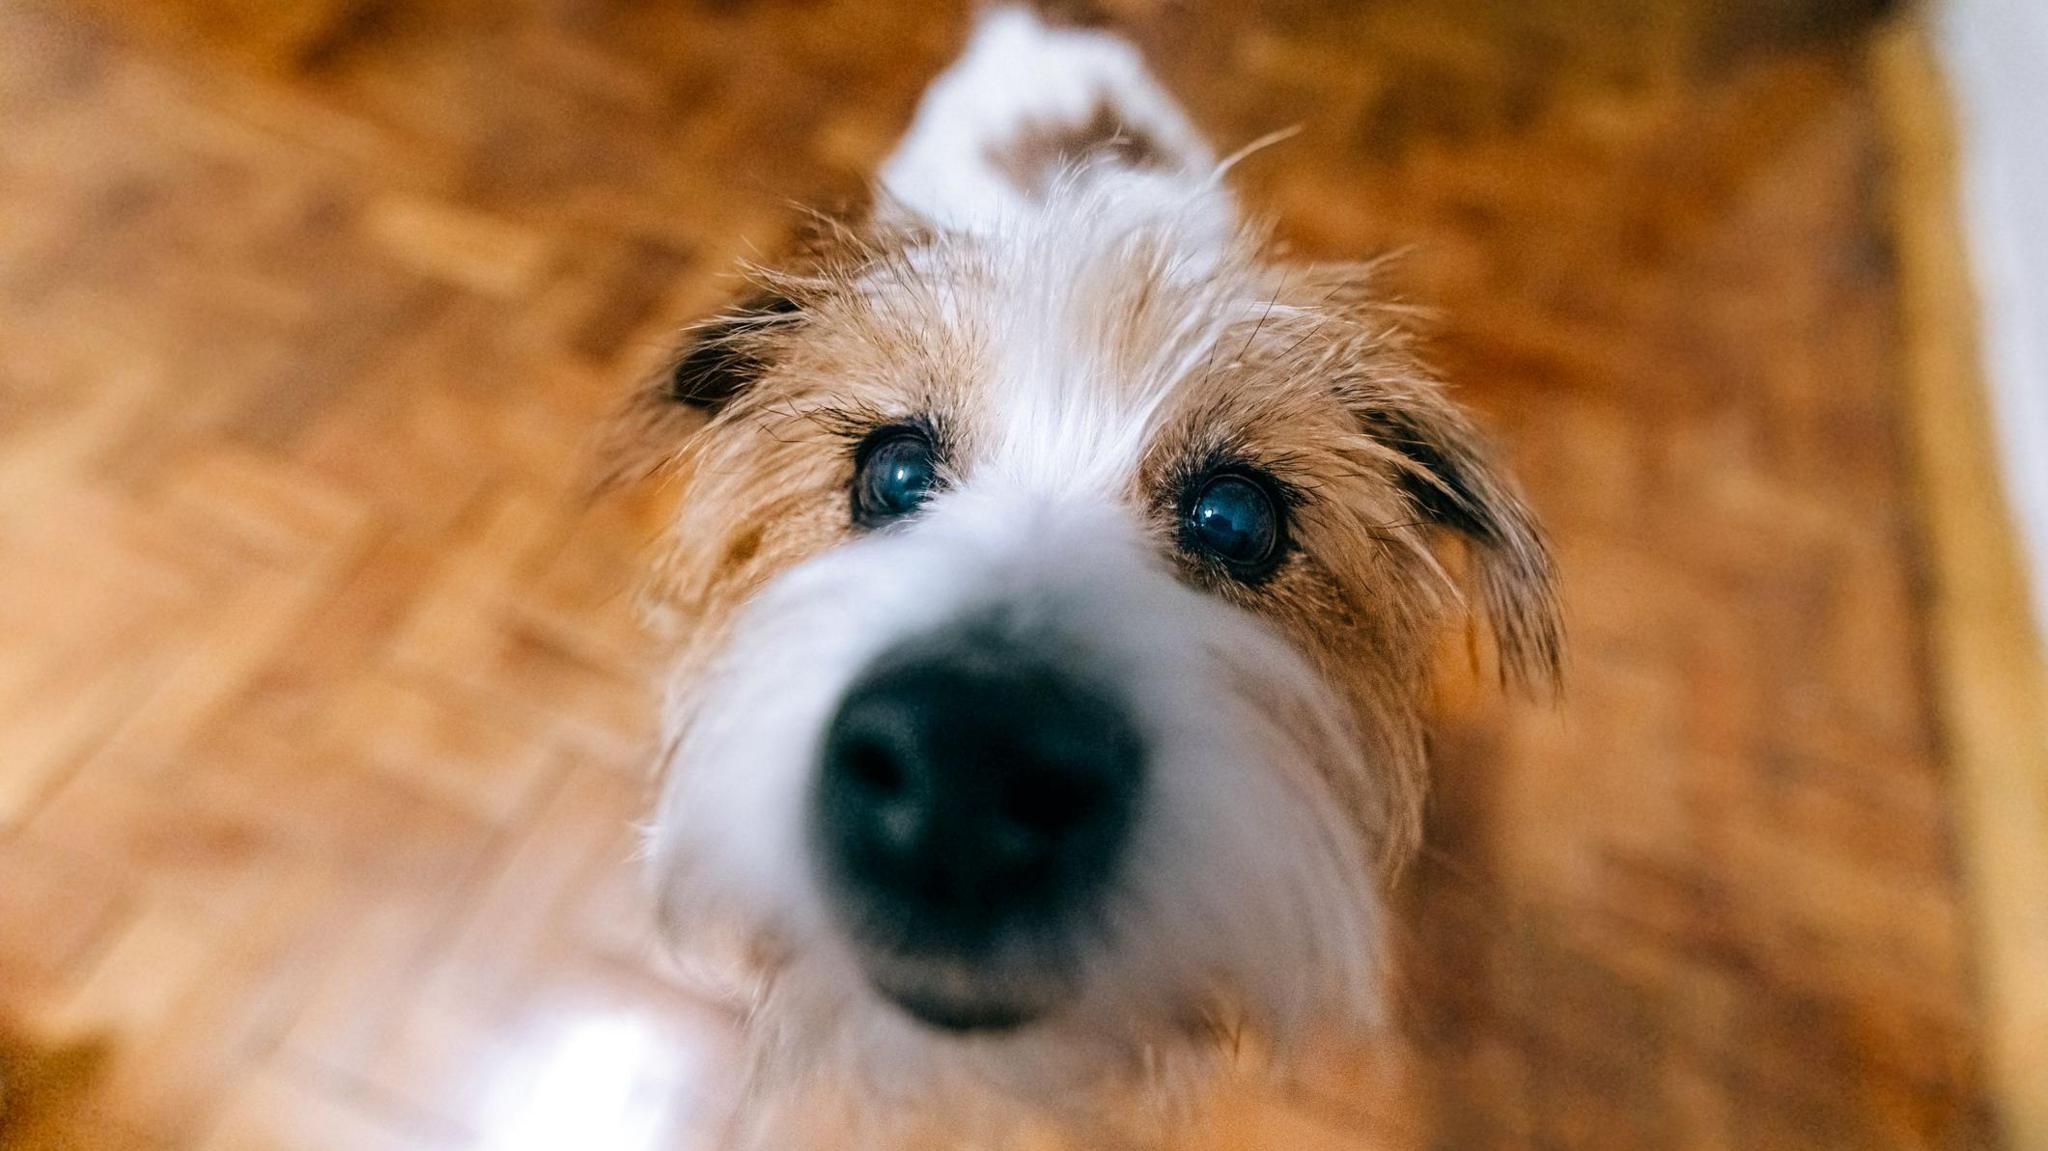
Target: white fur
(1017,73)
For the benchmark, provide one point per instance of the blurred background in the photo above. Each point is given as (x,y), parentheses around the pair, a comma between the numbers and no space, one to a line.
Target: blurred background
(323,715)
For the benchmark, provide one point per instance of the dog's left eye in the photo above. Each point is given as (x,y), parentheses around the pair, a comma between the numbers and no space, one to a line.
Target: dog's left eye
(895,471)
(1237,520)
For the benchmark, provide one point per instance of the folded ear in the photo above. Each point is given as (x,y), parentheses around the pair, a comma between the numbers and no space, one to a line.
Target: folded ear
(717,359)
(1446,472)
(720,356)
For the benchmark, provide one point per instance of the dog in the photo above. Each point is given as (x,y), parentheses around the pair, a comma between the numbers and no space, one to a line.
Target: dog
(1053,593)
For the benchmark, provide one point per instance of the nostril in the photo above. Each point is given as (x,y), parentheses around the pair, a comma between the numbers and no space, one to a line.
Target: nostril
(880,810)
(874,769)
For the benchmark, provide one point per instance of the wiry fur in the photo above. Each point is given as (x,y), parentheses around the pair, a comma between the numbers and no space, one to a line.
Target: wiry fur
(1079,354)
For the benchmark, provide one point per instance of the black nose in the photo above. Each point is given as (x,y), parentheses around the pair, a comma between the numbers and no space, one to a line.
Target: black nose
(972,789)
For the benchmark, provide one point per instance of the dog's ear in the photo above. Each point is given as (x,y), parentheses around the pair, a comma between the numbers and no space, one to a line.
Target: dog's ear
(715,361)
(1447,475)
(719,357)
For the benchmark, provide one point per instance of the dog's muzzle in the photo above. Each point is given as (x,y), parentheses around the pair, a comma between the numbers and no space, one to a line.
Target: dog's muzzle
(975,796)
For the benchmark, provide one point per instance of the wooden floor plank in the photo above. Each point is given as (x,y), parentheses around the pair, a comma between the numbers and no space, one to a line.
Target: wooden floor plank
(1988,667)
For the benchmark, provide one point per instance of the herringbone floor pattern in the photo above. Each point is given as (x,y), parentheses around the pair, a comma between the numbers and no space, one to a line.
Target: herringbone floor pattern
(321,708)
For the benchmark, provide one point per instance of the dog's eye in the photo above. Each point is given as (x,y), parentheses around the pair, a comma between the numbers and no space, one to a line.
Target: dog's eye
(1236,520)
(895,471)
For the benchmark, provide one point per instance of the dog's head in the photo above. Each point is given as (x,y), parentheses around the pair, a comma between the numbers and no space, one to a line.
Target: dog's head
(1054,597)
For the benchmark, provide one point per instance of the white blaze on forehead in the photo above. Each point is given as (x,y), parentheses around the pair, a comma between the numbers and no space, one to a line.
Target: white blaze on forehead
(1069,410)
(1088,328)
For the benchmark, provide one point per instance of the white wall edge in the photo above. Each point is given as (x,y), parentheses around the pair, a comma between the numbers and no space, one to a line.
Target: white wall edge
(1995,54)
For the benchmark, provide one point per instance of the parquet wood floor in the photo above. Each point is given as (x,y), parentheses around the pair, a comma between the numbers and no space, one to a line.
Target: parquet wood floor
(322,713)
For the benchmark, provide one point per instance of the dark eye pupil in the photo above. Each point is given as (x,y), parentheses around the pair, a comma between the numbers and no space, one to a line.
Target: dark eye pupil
(896,475)
(1234,519)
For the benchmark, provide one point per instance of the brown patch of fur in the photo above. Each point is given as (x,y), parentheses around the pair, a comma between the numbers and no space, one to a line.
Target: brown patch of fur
(1041,153)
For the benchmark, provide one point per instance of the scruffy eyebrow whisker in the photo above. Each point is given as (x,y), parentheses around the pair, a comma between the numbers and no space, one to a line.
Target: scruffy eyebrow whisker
(846,421)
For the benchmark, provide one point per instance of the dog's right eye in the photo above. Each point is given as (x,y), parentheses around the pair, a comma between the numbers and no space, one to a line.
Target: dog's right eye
(895,471)
(1237,520)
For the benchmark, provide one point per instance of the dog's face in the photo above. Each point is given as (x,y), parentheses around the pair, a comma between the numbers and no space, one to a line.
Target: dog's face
(1053,604)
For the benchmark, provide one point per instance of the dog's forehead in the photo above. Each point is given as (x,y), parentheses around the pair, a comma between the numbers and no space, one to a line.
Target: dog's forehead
(1065,347)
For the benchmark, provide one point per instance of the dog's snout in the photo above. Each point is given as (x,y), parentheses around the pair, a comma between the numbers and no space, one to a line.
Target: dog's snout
(971,788)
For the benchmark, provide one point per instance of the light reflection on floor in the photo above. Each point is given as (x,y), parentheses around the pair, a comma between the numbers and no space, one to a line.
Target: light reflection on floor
(608,1080)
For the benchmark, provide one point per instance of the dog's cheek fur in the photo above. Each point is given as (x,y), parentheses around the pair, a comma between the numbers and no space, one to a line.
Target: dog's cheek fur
(762,489)
(1360,604)
(1366,601)
(1325,392)
(752,505)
